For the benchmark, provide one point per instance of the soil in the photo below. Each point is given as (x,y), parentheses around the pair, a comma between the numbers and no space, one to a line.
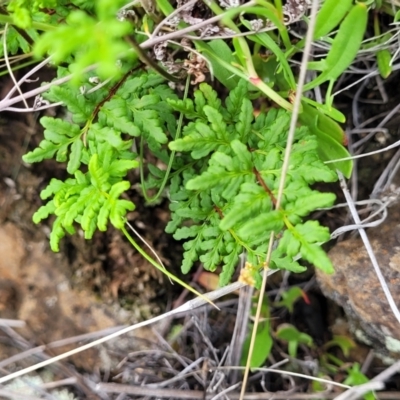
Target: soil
(88,286)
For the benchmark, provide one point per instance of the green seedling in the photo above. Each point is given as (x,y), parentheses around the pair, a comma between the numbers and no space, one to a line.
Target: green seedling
(356,377)
(289,298)
(329,361)
(288,333)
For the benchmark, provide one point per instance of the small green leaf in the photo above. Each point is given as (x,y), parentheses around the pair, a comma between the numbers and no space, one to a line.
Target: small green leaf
(384,57)
(243,126)
(356,377)
(201,141)
(247,204)
(75,157)
(345,344)
(330,15)
(58,135)
(343,51)
(315,255)
(261,226)
(236,99)
(294,337)
(262,346)
(217,122)
(149,123)
(303,206)
(289,297)
(115,114)
(288,264)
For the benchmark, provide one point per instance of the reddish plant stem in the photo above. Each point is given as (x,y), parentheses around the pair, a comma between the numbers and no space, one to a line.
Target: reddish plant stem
(113,90)
(219,211)
(110,94)
(264,185)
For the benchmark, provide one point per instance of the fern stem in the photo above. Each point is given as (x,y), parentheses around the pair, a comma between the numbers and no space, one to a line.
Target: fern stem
(7,19)
(171,159)
(264,185)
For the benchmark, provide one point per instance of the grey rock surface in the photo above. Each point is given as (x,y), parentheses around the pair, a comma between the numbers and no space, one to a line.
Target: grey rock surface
(356,288)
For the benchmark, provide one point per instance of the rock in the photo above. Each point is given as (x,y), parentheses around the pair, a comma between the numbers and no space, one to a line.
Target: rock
(355,287)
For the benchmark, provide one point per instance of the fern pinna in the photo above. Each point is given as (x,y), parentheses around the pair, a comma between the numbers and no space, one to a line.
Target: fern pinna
(222,185)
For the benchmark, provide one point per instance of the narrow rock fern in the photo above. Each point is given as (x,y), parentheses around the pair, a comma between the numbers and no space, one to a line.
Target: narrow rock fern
(223,182)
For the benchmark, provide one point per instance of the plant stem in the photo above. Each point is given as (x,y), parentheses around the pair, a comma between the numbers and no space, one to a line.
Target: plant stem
(7,19)
(163,270)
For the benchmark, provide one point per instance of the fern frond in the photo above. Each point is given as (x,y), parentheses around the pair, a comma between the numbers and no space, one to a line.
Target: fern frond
(241,160)
(90,199)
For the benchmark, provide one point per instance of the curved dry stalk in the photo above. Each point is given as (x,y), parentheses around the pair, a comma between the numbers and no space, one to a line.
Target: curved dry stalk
(10,71)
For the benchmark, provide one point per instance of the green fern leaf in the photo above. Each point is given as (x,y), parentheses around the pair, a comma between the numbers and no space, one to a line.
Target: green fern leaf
(132,86)
(249,202)
(314,254)
(259,228)
(186,232)
(234,102)
(289,244)
(150,124)
(43,212)
(144,102)
(99,177)
(80,106)
(119,168)
(273,130)
(116,114)
(304,205)
(288,264)
(206,95)
(76,203)
(217,123)
(201,141)
(75,157)
(57,233)
(313,232)
(186,107)
(118,211)
(230,262)
(225,172)
(52,188)
(213,251)
(190,255)
(112,136)
(45,151)
(243,126)
(58,136)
